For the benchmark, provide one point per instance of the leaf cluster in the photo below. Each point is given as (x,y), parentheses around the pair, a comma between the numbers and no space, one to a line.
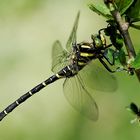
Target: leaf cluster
(129,9)
(130,13)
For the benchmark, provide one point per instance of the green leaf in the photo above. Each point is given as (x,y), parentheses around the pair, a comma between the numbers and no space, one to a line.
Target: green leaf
(118,56)
(100,9)
(109,54)
(133,11)
(136,62)
(119,41)
(135,20)
(135,26)
(123,5)
(122,57)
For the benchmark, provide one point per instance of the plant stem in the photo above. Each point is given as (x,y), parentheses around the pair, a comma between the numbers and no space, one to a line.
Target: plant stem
(123,28)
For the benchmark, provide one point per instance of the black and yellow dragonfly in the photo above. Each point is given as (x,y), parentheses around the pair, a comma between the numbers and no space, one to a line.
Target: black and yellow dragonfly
(82,76)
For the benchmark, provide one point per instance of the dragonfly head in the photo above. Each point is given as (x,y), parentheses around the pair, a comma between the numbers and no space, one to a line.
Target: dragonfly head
(99,40)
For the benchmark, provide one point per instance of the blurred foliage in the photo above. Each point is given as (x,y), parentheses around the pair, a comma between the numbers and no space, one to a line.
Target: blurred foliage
(123,5)
(19,8)
(130,9)
(8,63)
(133,11)
(101,9)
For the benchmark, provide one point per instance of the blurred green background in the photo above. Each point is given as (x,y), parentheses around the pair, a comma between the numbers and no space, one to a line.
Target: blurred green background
(28,29)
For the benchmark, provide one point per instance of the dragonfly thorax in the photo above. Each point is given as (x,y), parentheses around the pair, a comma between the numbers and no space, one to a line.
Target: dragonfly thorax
(81,55)
(87,52)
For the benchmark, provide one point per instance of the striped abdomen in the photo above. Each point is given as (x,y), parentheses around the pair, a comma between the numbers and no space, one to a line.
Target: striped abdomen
(65,72)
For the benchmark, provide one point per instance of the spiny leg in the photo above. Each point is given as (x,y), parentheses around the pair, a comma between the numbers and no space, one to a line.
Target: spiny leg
(106,66)
(108,60)
(118,69)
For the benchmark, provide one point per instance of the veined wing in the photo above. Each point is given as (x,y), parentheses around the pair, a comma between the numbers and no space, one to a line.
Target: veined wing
(96,78)
(59,57)
(79,98)
(72,37)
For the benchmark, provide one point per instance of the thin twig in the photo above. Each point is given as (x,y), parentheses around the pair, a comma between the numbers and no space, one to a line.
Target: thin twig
(123,28)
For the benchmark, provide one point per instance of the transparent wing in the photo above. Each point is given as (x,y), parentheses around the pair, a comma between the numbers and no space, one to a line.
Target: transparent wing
(59,57)
(97,78)
(79,98)
(72,37)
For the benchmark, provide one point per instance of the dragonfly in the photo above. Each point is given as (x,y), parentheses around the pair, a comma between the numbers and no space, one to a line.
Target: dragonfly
(82,76)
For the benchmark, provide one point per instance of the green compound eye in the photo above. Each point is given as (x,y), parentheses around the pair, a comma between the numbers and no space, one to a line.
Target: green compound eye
(98,42)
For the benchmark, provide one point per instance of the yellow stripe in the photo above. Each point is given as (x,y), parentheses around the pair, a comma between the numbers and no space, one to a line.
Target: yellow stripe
(103,39)
(81,63)
(57,75)
(5,112)
(85,46)
(44,84)
(86,54)
(30,93)
(17,102)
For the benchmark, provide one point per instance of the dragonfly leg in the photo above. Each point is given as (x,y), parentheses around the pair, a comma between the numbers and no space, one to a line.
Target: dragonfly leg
(101,30)
(108,60)
(108,46)
(106,66)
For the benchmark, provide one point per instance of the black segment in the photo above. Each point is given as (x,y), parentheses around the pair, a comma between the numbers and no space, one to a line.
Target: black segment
(67,71)
(26,96)
(34,90)
(106,66)
(23,97)
(11,107)
(2,115)
(51,79)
